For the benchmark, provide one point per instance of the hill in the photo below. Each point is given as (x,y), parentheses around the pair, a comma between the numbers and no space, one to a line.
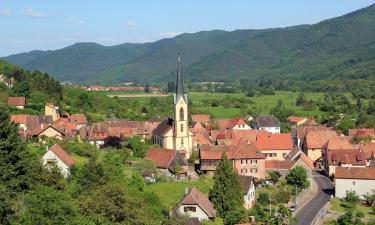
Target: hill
(338,48)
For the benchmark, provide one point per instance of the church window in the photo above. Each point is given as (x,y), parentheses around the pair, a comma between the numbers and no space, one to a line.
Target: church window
(182,141)
(181,113)
(182,128)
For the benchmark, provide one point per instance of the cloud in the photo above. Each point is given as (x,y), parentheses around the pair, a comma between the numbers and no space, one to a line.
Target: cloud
(169,34)
(75,21)
(131,25)
(34,14)
(4,12)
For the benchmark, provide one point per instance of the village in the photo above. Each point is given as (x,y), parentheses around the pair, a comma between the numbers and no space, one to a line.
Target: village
(185,147)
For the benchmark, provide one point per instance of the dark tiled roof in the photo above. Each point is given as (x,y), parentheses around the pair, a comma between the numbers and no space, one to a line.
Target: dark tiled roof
(267,121)
(195,197)
(245,182)
(163,127)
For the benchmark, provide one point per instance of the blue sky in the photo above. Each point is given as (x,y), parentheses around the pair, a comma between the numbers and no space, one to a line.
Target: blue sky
(27,25)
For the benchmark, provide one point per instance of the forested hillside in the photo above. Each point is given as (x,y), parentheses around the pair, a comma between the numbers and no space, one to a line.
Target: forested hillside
(339,48)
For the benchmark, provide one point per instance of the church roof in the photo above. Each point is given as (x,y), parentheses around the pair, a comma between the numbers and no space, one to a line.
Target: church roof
(163,127)
(180,92)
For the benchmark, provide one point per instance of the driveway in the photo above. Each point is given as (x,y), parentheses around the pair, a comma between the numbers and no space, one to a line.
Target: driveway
(306,215)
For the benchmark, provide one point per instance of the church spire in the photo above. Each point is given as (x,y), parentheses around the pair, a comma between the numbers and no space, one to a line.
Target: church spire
(180,92)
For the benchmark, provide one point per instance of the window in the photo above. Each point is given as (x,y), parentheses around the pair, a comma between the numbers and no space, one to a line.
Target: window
(190,209)
(182,141)
(253,161)
(182,113)
(242,161)
(254,170)
(181,127)
(243,171)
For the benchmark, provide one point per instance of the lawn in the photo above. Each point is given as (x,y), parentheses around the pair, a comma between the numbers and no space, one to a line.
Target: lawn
(336,206)
(170,192)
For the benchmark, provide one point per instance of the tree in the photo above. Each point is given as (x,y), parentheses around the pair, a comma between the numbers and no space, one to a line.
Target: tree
(147,88)
(91,175)
(351,198)
(136,144)
(19,168)
(263,198)
(274,176)
(171,86)
(226,193)
(298,177)
(301,99)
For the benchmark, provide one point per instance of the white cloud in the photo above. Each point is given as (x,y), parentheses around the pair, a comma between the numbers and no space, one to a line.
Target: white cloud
(131,25)
(4,12)
(75,21)
(169,34)
(34,14)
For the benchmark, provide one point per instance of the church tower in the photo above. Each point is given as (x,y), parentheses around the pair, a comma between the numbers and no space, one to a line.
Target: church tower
(182,140)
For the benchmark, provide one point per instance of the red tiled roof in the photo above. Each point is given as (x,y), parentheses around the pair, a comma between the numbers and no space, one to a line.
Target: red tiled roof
(303,130)
(239,150)
(278,164)
(222,124)
(308,162)
(338,143)
(78,118)
(20,119)
(201,118)
(16,101)
(296,119)
(369,149)
(274,141)
(59,152)
(195,197)
(317,139)
(346,156)
(160,156)
(367,173)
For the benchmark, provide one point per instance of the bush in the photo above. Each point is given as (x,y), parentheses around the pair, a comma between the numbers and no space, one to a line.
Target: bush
(263,198)
(274,175)
(282,196)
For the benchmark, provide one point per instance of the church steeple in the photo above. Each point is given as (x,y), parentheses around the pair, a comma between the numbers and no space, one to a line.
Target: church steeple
(180,92)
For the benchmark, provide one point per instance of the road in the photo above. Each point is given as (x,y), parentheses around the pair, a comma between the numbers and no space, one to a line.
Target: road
(306,215)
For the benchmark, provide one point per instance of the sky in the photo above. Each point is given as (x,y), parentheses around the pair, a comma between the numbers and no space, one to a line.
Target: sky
(27,25)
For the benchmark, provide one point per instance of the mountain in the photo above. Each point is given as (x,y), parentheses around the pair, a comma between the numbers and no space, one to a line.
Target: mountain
(338,48)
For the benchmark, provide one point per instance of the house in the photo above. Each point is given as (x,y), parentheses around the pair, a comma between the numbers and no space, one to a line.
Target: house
(47,131)
(55,155)
(79,119)
(7,82)
(194,204)
(51,109)
(360,180)
(21,120)
(338,152)
(201,118)
(293,159)
(274,146)
(168,161)
(174,133)
(314,142)
(248,188)
(268,123)
(232,124)
(369,149)
(245,157)
(302,131)
(18,102)
(296,121)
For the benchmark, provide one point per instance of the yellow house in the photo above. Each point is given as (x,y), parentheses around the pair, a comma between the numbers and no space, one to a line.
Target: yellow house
(173,133)
(52,110)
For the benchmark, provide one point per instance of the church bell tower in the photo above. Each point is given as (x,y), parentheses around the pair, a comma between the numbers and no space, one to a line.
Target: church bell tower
(181,138)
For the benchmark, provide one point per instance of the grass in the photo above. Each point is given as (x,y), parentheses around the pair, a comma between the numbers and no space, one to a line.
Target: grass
(170,192)
(338,207)
(263,104)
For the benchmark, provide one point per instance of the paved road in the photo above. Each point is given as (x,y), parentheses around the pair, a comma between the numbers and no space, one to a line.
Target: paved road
(306,215)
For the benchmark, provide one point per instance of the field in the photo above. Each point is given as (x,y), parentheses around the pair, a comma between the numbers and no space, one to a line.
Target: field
(336,206)
(171,192)
(231,105)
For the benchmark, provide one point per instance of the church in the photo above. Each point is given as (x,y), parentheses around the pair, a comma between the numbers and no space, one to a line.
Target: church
(174,133)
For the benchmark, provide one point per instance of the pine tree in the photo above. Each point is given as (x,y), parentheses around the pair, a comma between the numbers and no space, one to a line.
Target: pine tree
(226,193)
(19,168)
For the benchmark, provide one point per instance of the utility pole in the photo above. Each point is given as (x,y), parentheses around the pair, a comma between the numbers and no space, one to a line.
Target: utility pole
(295,202)
(270,205)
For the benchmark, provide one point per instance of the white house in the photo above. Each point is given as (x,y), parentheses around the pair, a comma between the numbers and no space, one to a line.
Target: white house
(248,189)
(195,204)
(268,123)
(360,180)
(57,156)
